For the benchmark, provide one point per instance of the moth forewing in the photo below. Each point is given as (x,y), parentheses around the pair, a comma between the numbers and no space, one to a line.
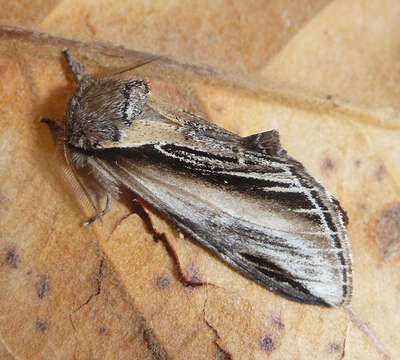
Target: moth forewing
(245,199)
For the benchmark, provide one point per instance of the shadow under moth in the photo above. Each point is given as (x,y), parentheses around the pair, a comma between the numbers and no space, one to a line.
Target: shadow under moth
(243,198)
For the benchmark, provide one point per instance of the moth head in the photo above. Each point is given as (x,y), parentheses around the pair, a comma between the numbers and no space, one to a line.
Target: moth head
(102,109)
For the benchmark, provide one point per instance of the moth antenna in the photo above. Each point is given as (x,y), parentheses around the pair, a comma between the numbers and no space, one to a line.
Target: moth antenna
(70,164)
(133,67)
(77,68)
(366,330)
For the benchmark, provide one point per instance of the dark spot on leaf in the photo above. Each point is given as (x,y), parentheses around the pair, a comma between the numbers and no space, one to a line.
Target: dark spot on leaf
(102,330)
(11,258)
(327,165)
(363,207)
(267,344)
(334,347)
(218,108)
(380,173)
(277,321)
(42,286)
(387,231)
(162,281)
(41,325)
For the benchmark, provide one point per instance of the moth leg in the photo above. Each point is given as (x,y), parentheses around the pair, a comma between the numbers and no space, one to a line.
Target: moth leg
(77,68)
(106,210)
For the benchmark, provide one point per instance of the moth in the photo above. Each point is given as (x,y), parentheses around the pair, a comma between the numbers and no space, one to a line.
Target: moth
(243,198)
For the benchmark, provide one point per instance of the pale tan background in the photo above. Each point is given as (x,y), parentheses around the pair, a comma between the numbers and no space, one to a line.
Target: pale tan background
(326,74)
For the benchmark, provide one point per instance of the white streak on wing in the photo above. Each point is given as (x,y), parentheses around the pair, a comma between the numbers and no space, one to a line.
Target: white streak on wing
(271,246)
(280,256)
(310,211)
(298,267)
(280,177)
(283,189)
(122,144)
